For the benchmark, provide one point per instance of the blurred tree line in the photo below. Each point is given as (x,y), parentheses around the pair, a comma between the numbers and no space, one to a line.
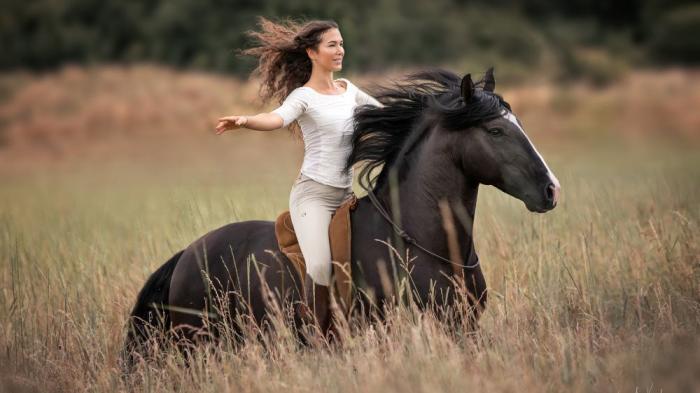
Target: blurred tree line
(205,34)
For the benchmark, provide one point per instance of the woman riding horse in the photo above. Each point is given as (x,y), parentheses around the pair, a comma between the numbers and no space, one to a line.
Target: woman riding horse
(441,136)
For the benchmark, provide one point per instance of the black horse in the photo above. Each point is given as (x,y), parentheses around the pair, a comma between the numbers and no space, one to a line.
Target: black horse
(438,136)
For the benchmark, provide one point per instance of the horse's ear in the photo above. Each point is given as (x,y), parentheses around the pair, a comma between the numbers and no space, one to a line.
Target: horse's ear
(489,80)
(467,87)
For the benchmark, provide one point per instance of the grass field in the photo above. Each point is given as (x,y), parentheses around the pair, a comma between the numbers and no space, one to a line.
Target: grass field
(601,294)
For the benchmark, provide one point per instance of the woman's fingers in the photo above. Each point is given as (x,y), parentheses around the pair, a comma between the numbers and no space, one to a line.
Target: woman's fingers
(231,120)
(228,122)
(221,126)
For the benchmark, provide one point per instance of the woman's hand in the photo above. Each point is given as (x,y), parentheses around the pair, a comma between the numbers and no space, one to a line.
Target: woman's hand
(230,123)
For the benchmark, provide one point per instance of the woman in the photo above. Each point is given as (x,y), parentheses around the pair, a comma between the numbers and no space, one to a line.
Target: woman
(296,63)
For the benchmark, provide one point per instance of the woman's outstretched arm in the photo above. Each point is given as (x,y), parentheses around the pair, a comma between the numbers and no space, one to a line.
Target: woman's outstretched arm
(259,122)
(292,107)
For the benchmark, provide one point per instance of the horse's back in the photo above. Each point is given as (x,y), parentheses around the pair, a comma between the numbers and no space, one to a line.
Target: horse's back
(231,260)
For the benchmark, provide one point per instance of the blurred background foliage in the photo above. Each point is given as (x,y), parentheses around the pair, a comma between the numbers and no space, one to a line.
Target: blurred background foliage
(577,38)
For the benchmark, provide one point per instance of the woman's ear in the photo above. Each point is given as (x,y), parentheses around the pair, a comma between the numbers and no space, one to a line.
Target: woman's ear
(309,52)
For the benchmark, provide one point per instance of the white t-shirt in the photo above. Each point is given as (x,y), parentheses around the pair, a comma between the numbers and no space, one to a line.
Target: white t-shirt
(326,125)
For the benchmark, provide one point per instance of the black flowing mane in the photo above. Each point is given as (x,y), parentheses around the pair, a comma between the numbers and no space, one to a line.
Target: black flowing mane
(385,135)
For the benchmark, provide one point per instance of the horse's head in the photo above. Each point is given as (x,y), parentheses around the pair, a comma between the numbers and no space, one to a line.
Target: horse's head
(497,151)
(459,126)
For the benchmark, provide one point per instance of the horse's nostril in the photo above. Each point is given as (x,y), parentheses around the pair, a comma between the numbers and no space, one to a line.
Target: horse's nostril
(549,191)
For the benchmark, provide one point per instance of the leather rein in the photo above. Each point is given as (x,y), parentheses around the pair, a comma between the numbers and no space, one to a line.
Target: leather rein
(406,237)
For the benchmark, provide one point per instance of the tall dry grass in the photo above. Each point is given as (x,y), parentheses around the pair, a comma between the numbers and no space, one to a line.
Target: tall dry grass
(601,294)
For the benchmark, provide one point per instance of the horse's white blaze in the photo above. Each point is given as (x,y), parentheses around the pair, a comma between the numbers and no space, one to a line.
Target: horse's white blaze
(557,187)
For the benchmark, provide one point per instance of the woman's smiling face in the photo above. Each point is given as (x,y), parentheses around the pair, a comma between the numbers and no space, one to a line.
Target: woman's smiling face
(329,52)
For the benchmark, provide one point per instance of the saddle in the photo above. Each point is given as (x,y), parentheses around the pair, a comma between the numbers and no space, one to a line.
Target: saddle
(340,236)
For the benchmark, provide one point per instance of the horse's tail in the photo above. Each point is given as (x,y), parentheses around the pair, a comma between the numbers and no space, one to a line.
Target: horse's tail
(149,312)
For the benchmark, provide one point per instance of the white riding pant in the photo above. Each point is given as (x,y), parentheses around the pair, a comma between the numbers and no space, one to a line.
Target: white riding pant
(311,205)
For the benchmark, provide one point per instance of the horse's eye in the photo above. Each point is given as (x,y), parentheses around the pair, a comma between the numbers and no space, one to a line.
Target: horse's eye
(495,131)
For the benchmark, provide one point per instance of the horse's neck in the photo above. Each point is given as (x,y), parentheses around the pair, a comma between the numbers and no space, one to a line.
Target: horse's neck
(420,195)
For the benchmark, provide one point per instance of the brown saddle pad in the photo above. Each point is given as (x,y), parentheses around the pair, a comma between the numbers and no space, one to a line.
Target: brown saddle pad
(339,233)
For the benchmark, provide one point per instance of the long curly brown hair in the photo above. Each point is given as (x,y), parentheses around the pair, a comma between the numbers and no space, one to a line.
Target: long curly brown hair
(283,64)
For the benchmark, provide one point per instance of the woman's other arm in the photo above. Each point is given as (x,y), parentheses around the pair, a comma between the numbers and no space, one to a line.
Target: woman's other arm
(363,98)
